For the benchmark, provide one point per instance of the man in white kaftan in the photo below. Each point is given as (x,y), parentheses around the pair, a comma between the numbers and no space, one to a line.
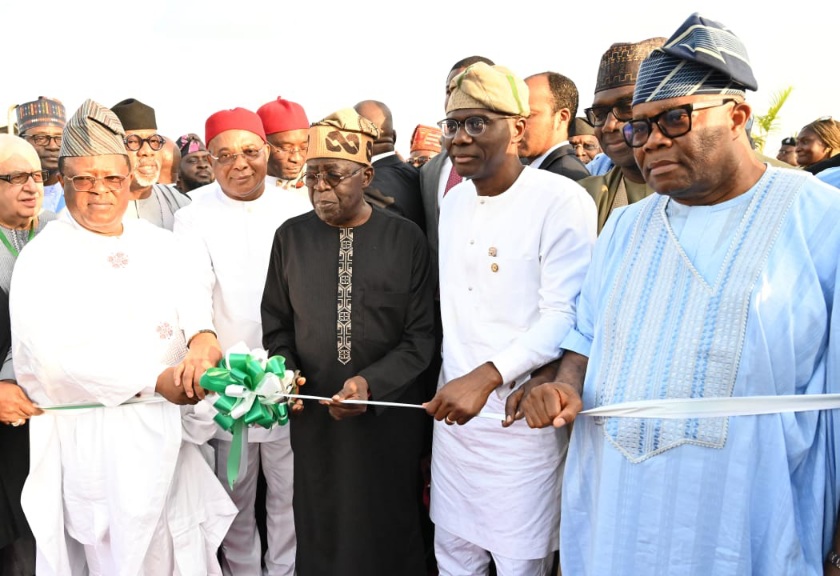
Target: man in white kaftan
(226,236)
(515,245)
(723,284)
(119,489)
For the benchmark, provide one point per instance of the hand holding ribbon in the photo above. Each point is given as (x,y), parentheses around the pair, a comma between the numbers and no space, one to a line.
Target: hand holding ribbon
(251,389)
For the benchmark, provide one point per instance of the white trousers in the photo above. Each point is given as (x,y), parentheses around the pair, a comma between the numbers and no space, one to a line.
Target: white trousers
(458,557)
(241,547)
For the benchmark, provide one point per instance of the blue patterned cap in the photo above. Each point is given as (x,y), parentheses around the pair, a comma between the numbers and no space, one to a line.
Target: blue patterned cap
(702,57)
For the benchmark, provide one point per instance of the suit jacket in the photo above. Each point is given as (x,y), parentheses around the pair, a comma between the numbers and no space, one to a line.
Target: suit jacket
(564,162)
(429,184)
(401,181)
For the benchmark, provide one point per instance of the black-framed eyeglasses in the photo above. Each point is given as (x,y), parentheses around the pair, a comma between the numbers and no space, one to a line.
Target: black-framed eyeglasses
(290,150)
(135,142)
(226,158)
(597,115)
(332,179)
(474,125)
(86,183)
(43,139)
(673,123)
(19,178)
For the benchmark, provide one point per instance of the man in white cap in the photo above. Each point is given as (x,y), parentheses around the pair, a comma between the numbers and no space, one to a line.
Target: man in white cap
(230,268)
(113,488)
(722,284)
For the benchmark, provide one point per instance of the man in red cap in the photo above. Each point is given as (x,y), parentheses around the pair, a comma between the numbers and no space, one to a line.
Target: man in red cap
(287,130)
(226,234)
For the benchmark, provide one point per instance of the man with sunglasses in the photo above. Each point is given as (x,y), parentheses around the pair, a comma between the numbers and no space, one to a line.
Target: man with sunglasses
(40,122)
(21,185)
(518,243)
(348,302)
(151,201)
(723,284)
(226,235)
(286,131)
(623,184)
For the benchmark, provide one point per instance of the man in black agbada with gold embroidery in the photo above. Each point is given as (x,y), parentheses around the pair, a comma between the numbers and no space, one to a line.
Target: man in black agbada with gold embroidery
(348,302)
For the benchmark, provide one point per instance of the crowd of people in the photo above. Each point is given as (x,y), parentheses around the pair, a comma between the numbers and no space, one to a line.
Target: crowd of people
(525,265)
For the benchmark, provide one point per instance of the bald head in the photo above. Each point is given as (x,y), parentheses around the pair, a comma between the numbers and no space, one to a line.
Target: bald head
(379,114)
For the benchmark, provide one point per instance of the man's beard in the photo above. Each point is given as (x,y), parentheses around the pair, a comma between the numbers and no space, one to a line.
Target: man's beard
(188,183)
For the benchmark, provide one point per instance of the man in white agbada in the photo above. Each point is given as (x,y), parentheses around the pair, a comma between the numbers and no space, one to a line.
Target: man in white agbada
(515,245)
(226,235)
(114,490)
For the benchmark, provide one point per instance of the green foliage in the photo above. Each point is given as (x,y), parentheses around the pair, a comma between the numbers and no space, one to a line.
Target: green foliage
(765,124)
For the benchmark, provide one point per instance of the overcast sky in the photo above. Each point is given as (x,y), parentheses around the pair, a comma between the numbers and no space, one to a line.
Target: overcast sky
(191,58)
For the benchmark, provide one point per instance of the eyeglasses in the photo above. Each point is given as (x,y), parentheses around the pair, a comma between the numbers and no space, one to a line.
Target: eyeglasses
(418,161)
(589,147)
(473,126)
(226,158)
(43,139)
(673,123)
(290,150)
(621,110)
(85,183)
(332,179)
(19,178)
(135,142)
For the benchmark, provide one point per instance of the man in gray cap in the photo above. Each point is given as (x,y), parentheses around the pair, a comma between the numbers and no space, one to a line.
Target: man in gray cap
(507,299)
(40,122)
(120,486)
(722,284)
(151,201)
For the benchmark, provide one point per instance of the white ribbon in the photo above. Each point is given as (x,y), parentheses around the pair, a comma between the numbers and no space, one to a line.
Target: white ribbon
(679,408)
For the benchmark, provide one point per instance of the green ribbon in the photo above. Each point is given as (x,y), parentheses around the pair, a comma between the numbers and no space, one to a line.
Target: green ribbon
(249,393)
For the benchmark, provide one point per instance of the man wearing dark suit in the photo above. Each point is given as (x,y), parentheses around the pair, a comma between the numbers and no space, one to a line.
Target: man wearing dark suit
(392,177)
(553,100)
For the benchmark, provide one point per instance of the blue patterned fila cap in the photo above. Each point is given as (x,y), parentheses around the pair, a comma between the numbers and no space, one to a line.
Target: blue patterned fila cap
(702,57)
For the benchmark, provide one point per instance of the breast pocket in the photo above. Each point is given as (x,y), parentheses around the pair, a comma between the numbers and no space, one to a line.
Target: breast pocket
(384,316)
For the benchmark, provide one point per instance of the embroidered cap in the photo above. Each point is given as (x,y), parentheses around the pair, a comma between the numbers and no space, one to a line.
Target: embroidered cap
(702,57)
(344,135)
(190,144)
(41,112)
(620,64)
(92,131)
(135,115)
(489,87)
(426,138)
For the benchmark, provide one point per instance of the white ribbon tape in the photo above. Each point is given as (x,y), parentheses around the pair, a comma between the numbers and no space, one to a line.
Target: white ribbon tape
(679,408)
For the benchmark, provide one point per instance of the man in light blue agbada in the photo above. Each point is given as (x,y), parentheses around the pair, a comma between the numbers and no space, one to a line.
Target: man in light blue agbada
(722,284)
